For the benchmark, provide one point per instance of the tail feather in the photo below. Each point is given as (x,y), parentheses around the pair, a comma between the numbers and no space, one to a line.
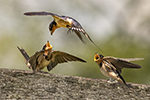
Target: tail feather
(91,40)
(78,30)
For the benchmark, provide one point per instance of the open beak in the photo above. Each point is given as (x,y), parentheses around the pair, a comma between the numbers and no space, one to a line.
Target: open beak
(49,45)
(96,57)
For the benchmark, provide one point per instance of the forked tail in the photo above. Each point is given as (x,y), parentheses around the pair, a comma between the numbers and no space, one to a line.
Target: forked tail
(93,42)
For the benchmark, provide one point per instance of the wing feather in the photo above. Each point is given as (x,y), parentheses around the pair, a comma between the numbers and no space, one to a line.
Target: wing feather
(39,13)
(61,57)
(55,16)
(120,63)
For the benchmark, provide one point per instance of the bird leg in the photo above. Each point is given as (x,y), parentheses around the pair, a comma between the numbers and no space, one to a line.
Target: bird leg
(70,30)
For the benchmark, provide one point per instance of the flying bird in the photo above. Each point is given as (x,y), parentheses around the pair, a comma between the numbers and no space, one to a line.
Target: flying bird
(47,57)
(111,66)
(65,22)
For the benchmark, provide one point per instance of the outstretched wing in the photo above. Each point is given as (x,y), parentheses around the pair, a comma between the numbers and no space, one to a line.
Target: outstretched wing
(61,57)
(120,63)
(39,13)
(131,59)
(55,16)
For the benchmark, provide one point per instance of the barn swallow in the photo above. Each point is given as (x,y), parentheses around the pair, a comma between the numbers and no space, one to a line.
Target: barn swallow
(111,67)
(47,57)
(65,22)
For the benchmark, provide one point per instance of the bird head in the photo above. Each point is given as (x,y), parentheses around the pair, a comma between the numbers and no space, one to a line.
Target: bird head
(52,27)
(98,58)
(46,48)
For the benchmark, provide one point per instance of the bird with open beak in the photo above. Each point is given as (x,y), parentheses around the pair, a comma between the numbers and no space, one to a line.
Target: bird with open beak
(47,57)
(65,22)
(111,67)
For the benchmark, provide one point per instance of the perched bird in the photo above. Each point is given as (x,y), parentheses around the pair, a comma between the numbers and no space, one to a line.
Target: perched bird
(47,57)
(111,67)
(65,22)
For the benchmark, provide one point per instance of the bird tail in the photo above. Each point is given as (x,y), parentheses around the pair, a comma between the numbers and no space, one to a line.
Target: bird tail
(25,55)
(86,35)
(91,39)
(93,42)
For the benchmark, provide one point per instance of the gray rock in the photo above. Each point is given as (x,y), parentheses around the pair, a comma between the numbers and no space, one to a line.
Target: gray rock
(21,84)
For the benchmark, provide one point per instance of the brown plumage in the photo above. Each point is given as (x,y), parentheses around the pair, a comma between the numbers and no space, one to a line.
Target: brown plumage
(111,67)
(47,57)
(65,22)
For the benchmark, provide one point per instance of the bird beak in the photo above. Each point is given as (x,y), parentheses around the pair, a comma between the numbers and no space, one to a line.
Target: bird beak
(49,45)
(52,28)
(96,57)
(52,31)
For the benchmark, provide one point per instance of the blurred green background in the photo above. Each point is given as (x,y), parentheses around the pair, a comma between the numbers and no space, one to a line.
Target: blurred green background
(119,28)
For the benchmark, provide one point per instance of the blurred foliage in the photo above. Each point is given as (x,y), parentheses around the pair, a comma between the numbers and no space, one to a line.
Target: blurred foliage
(117,30)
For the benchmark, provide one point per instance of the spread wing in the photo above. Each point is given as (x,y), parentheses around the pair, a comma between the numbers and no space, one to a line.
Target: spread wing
(39,13)
(55,16)
(120,63)
(61,57)
(131,59)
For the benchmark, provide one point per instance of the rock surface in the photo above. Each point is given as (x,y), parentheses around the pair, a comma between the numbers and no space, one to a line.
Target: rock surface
(20,84)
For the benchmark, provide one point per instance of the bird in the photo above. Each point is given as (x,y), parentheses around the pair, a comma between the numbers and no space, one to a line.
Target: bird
(47,58)
(65,22)
(111,67)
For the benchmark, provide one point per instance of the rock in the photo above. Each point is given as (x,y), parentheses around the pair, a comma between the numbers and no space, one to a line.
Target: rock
(21,84)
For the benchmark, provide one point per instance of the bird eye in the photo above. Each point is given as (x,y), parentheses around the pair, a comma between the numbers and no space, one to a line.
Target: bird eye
(44,47)
(101,56)
(67,26)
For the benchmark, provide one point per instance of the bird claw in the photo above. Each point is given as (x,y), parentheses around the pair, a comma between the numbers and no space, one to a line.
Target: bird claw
(69,31)
(111,81)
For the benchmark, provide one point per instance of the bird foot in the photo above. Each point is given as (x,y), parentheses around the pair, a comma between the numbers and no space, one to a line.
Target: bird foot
(69,31)
(42,72)
(112,81)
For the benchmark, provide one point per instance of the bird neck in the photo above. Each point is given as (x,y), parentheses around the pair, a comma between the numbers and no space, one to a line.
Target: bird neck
(48,56)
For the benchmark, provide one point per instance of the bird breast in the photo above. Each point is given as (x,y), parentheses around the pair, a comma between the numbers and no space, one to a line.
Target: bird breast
(44,62)
(61,23)
(64,22)
(104,71)
(108,72)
